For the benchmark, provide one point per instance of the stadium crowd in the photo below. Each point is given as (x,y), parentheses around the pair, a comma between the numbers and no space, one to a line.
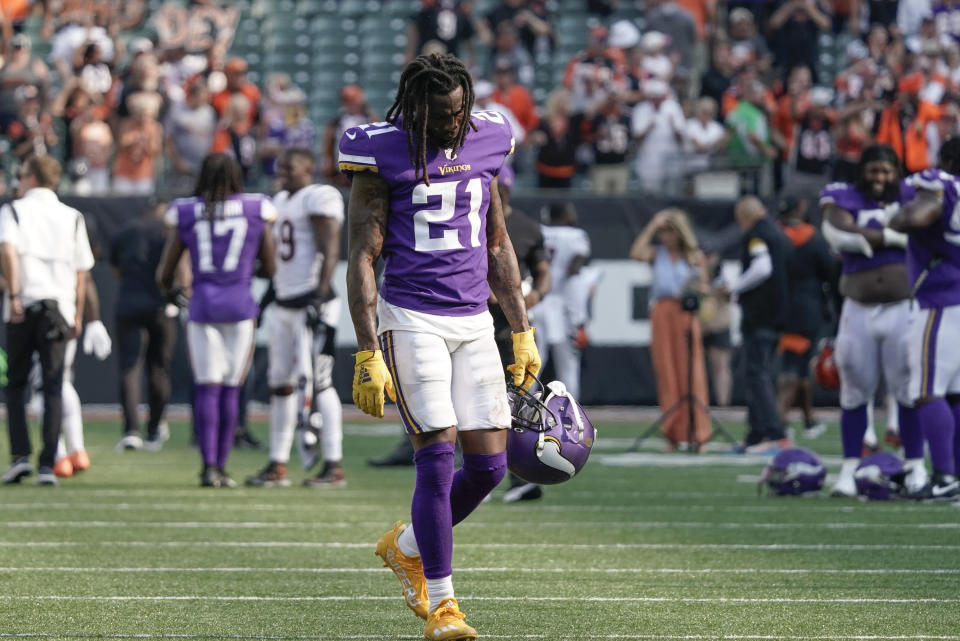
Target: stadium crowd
(789,92)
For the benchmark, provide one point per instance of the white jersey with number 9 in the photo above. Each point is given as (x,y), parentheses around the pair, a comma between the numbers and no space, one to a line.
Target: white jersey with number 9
(298,258)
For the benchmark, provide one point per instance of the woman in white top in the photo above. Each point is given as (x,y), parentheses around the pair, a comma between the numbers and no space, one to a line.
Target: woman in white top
(679,277)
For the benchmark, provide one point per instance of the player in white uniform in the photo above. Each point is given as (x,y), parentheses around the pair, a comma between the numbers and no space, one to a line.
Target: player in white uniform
(568,248)
(301,351)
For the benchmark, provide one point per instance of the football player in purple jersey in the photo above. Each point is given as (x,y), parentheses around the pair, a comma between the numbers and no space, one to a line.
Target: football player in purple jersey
(871,338)
(932,222)
(225,232)
(424,198)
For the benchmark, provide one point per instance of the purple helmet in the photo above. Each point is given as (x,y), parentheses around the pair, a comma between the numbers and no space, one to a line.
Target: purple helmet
(551,436)
(879,476)
(794,471)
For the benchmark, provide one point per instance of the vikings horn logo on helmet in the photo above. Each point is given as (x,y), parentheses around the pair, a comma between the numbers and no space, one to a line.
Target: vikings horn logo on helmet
(551,436)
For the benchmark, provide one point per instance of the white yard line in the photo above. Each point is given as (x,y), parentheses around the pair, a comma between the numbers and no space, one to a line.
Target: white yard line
(497,570)
(817,547)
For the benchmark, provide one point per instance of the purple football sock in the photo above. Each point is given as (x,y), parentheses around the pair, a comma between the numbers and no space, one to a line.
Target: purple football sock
(430,511)
(936,420)
(474,481)
(206,401)
(853,425)
(956,435)
(910,434)
(229,410)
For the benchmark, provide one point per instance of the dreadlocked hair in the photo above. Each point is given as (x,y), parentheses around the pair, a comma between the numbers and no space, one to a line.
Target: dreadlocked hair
(878,153)
(949,156)
(422,77)
(220,177)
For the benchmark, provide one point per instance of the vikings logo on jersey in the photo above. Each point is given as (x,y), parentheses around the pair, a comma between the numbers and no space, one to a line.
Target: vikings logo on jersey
(435,248)
(866,213)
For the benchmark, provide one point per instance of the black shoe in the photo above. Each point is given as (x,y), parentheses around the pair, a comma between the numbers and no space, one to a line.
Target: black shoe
(329,477)
(210,477)
(525,492)
(244,440)
(45,475)
(18,469)
(942,487)
(225,480)
(402,455)
(273,475)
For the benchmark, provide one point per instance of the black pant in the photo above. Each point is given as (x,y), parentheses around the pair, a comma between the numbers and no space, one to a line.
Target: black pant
(37,333)
(161,333)
(763,417)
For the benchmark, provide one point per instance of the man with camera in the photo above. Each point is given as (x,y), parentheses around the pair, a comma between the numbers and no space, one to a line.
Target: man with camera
(45,255)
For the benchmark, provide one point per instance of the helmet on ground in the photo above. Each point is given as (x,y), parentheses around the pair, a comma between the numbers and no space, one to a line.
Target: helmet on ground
(879,476)
(824,366)
(794,471)
(550,436)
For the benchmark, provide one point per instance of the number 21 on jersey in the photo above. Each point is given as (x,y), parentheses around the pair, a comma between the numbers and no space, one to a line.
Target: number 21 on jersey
(424,218)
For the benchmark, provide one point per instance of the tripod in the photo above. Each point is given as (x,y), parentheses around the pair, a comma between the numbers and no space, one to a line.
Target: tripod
(691,401)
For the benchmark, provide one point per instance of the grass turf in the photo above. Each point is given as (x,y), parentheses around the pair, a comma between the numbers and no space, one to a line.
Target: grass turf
(134,548)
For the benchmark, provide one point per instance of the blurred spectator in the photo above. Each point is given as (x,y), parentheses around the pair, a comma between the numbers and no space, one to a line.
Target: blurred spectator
(483,101)
(593,73)
(719,76)
(90,144)
(515,97)
(796,26)
(235,71)
(925,38)
(672,20)
(92,69)
(287,125)
(703,136)
(139,144)
(910,13)
(657,125)
(751,140)
(852,136)
(19,68)
(141,75)
(532,20)
(234,135)
(448,21)
(75,38)
(746,45)
(883,12)
(610,136)
(812,157)
(704,14)
(353,111)
(506,46)
(31,133)
(177,67)
(15,12)
(656,63)
(946,126)
(188,128)
(903,124)
(557,138)
(793,106)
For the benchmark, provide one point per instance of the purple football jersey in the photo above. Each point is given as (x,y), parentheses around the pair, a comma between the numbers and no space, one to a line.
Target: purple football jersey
(223,249)
(435,250)
(933,253)
(866,212)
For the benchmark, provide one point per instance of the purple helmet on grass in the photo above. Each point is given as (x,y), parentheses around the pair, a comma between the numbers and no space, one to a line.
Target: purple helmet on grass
(794,471)
(879,476)
(551,436)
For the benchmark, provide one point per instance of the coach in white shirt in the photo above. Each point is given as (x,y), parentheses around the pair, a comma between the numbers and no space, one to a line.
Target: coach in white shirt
(45,255)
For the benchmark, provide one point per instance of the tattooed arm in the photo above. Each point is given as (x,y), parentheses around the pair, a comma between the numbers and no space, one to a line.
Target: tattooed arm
(366,228)
(503,274)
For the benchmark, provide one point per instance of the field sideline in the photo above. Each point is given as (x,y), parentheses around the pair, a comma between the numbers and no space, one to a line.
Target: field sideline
(639,546)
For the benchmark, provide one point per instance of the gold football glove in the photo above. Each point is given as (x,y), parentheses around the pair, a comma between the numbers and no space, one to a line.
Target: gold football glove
(526,363)
(370,378)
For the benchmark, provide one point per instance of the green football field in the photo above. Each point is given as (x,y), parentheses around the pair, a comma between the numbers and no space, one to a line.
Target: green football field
(639,546)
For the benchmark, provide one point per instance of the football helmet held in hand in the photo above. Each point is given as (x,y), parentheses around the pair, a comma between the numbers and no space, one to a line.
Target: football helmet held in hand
(794,471)
(550,436)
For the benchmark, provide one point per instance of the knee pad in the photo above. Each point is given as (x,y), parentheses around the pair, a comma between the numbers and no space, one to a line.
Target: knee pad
(485,470)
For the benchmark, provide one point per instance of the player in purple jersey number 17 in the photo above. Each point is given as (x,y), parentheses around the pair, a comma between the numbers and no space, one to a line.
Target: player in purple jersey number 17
(225,233)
